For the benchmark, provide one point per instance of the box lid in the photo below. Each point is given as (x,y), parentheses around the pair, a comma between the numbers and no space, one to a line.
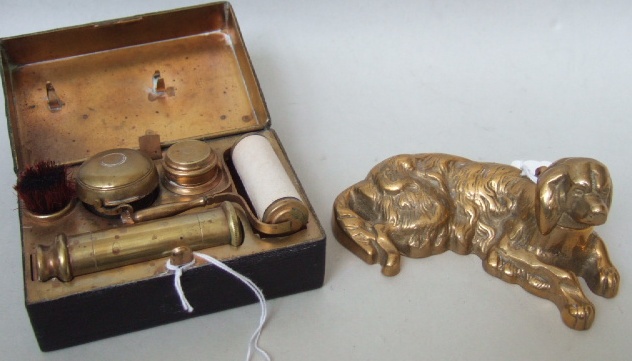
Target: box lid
(74,92)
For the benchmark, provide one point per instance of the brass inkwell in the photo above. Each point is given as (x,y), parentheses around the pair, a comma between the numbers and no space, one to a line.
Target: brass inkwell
(128,138)
(192,167)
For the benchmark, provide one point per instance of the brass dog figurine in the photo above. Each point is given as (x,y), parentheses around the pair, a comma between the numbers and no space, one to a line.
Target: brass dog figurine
(539,236)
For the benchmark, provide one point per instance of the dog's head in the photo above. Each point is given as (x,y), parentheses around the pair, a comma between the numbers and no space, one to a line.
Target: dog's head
(574,193)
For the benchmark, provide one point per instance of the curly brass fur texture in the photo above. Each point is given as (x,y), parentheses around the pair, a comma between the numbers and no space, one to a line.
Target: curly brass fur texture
(539,236)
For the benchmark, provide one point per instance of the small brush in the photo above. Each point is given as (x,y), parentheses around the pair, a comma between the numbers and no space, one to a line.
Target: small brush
(45,187)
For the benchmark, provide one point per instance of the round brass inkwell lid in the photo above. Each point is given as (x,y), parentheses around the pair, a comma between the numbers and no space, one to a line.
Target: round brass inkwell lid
(117,177)
(191,167)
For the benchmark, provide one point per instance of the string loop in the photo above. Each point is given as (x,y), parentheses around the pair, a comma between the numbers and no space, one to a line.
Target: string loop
(254,339)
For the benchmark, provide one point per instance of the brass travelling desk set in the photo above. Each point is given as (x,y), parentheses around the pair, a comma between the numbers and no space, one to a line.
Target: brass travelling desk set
(136,137)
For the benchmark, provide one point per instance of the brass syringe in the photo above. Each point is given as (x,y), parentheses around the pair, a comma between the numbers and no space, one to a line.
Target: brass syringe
(71,256)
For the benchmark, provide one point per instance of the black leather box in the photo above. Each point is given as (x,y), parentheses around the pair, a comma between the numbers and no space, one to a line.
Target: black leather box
(75,92)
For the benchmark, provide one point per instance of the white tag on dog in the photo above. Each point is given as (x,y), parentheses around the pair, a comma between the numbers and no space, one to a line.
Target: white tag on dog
(529,167)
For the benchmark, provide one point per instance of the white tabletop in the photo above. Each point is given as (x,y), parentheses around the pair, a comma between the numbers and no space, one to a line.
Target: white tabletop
(351,83)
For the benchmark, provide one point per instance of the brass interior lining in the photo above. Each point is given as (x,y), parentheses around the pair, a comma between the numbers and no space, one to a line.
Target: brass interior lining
(80,220)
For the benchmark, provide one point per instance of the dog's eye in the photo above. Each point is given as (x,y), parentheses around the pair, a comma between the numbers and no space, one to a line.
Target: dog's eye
(578,192)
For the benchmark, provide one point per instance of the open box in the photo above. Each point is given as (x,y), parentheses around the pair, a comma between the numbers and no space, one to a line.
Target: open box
(181,75)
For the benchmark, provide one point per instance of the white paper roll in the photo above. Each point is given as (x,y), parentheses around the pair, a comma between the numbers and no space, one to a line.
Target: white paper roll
(261,173)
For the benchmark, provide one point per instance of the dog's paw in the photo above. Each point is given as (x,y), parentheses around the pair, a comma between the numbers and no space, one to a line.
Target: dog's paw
(578,316)
(493,262)
(497,264)
(355,236)
(391,265)
(387,253)
(607,284)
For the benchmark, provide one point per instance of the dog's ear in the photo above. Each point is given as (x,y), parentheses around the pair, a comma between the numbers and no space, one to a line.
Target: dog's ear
(550,197)
(601,178)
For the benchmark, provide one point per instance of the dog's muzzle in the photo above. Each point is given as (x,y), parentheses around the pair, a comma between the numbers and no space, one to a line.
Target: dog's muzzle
(596,211)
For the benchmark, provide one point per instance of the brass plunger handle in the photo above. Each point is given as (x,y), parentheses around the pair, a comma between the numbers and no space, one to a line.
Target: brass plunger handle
(71,256)
(297,222)
(163,210)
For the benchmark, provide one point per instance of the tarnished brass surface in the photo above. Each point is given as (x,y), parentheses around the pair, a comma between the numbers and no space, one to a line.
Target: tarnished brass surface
(163,210)
(181,255)
(47,218)
(103,74)
(116,177)
(54,103)
(149,144)
(287,210)
(289,215)
(191,167)
(79,220)
(76,255)
(539,236)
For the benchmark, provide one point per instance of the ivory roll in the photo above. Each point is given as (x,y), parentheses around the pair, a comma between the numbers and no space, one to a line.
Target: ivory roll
(270,190)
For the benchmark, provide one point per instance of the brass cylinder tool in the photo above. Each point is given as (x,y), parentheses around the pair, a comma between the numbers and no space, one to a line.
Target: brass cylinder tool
(71,256)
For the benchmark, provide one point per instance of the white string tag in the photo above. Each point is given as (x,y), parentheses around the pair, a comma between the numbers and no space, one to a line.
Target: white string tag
(529,167)
(254,339)
(177,270)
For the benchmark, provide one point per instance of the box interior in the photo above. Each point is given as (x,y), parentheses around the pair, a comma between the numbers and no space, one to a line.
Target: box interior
(103,74)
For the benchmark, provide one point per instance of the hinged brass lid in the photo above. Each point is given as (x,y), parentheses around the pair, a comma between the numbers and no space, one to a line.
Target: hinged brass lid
(190,161)
(191,167)
(74,92)
(116,177)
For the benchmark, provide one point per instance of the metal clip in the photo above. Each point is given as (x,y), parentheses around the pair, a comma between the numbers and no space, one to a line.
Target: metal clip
(159,90)
(54,102)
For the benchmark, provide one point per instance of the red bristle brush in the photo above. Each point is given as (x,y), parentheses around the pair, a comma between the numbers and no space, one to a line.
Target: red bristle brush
(45,187)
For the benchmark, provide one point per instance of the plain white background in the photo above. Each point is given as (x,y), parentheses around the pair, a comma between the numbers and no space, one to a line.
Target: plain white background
(351,83)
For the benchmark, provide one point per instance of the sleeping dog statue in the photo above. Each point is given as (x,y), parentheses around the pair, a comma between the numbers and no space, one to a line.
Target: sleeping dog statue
(537,235)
